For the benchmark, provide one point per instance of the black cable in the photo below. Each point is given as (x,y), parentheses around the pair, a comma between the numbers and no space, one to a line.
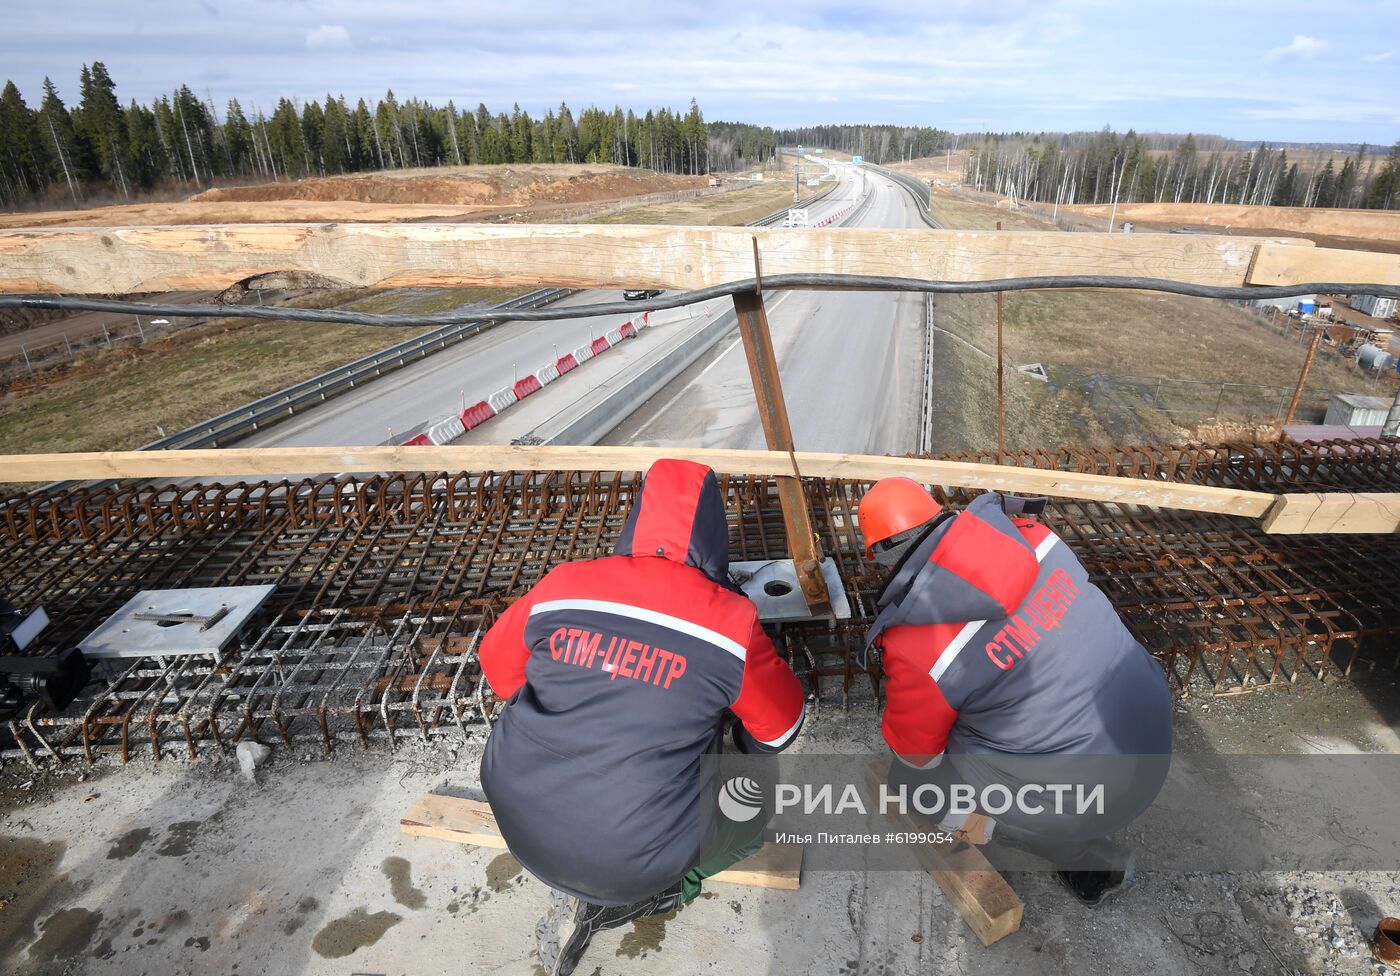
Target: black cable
(837,282)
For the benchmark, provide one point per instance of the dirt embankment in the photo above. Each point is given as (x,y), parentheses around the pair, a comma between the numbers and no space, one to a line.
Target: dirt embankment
(423,194)
(1124,367)
(1360,225)
(470,186)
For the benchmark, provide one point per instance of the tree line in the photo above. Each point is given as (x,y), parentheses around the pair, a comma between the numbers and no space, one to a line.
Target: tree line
(877,144)
(102,147)
(1104,167)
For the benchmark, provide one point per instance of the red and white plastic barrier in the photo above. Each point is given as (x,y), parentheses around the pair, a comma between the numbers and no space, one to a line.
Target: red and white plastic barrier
(449,429)
(446,431)
(476,415)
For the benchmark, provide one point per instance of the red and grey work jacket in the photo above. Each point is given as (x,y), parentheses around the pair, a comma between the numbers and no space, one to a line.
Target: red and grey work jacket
(995,641)
(619,672)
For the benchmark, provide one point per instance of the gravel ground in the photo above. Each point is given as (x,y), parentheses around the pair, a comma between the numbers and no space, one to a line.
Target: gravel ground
(184,867)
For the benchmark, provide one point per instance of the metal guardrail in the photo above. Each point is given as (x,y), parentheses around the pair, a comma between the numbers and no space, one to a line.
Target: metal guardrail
(291,400)
(778,215)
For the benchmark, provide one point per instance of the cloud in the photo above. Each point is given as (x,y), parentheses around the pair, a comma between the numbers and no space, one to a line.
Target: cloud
(1302,45)
(327,36)
(1013,65)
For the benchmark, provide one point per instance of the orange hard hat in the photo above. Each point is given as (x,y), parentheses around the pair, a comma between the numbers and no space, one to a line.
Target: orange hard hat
(892,506)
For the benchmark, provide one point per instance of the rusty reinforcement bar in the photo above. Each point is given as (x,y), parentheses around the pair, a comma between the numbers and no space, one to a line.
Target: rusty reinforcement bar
(385,584)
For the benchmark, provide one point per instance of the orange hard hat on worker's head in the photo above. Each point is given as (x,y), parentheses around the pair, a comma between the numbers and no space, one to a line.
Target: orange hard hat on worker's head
(892,506)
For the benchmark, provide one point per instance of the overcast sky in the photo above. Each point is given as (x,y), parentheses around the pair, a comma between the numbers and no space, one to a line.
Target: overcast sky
(1283,70)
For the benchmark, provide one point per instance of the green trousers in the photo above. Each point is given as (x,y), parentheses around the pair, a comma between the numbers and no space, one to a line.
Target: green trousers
(731,844)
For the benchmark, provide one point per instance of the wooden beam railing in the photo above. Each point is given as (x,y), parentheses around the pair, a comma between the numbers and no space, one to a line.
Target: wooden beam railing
(1288,513)
(122,260)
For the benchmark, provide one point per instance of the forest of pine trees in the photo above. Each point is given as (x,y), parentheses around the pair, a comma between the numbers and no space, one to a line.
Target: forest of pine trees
(1102,167)
(98,147)
(879,144)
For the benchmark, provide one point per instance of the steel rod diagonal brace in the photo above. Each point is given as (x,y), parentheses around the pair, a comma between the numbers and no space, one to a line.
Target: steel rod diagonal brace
(772,411)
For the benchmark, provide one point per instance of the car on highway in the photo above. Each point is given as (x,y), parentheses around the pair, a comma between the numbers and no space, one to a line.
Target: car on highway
(640,294)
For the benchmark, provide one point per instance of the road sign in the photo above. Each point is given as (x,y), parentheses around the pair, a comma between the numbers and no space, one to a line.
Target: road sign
(857,159)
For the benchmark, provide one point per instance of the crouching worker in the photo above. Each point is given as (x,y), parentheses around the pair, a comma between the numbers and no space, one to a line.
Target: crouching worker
(1004,659)
(620,673)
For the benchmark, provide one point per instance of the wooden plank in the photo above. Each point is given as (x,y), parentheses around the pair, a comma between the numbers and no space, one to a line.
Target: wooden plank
(452,818)
(281,462)
(467,821)
(1285,263)
(118,260)
(972,886)
(1350,512)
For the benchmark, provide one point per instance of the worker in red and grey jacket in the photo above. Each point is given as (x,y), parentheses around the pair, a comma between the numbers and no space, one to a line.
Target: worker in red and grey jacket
(619,674)
(1000,654)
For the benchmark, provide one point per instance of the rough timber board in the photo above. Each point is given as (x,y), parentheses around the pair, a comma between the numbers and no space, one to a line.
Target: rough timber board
(1282,264)
(972,886)
(1350,512)
(468,821)
(117,260)
(280,462)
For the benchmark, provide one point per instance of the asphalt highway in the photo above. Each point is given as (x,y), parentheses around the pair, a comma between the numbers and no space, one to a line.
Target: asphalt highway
(850,362)
(439,386)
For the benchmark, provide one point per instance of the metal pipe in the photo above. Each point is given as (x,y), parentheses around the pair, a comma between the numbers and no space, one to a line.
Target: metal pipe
(1001,382)
(1303,376)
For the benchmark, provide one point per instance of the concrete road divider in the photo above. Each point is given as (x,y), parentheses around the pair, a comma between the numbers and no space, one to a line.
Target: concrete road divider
(591,417)
(600,344)
(583,354)
(670,316)
(418,440)
(502,399)
(566,363)
(547,375)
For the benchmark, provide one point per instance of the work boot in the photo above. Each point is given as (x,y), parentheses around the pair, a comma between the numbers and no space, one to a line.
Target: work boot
(561,906)
(590,919)
(1093,888)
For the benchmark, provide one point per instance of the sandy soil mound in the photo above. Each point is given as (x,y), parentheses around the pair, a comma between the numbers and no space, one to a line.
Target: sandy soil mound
(1375,225)
(462,192)
(468,186)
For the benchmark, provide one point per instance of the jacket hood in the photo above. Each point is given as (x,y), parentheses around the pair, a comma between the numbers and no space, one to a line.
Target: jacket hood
(974,566)
(679,516)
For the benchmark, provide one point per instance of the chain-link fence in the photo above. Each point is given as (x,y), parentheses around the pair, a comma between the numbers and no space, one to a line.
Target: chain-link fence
(133,330)
(1188,403)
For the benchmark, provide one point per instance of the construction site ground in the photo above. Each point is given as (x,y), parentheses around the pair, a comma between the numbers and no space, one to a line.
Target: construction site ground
(194,369)
(1104,353)
(1372,230)
(123,398)
(440,193)
(185,867)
